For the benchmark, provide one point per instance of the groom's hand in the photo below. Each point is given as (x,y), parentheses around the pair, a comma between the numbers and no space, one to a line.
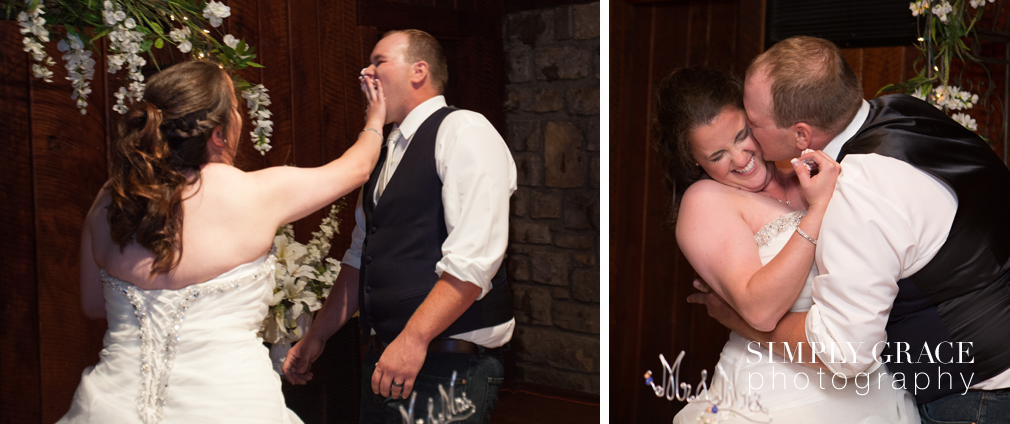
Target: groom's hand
(298,362)
(399,363)
(718,308)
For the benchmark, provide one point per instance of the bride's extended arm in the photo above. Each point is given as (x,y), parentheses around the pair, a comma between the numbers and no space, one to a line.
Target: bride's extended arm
(294,192)
(720,245)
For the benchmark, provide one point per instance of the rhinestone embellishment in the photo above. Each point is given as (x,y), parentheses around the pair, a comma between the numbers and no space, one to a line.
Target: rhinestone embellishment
(158,355)
(784,223)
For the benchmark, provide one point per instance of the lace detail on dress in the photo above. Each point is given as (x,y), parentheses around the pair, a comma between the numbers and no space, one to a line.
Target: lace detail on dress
(787,222)
(158,356)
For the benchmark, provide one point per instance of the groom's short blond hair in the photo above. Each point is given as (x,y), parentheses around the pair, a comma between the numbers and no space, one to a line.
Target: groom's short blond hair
(421,46)
(810,82)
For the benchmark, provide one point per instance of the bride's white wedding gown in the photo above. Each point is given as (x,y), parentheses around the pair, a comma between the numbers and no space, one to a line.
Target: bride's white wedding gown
(185,356)
(797,396)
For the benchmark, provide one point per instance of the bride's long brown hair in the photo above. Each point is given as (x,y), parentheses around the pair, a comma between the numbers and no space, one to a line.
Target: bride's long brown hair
(161,138)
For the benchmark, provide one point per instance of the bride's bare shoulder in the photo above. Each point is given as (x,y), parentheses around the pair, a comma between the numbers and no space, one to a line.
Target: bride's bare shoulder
(707,201)
(707,192)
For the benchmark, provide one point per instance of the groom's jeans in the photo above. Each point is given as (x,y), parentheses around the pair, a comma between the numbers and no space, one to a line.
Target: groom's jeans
(976,406)
(478,375)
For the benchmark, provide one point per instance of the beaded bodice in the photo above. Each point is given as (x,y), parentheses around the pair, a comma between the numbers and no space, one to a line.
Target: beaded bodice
(771,238)
(784,223)
(164,323)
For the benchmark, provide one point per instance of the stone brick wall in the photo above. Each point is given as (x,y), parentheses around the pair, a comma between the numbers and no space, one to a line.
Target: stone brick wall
(553,113)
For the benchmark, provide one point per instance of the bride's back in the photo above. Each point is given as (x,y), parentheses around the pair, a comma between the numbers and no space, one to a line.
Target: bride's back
(221,230)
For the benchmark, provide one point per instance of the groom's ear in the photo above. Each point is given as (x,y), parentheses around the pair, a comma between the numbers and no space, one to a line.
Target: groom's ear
(419,72)
(804,134)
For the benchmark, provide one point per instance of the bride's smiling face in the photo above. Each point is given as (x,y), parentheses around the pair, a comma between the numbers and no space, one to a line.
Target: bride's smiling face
(727,151)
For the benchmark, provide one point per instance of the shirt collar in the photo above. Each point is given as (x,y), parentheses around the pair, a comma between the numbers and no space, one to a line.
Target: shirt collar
(835,146)
(418,115)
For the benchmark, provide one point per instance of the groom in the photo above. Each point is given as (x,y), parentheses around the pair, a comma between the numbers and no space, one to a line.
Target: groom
(914,251)
(425,263)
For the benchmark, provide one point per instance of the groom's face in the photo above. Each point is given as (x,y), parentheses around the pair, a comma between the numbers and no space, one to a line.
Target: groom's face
(388,64)
(777,143)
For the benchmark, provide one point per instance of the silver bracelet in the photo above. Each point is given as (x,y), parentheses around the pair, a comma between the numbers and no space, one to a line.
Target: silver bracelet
(372,130)
(804,235)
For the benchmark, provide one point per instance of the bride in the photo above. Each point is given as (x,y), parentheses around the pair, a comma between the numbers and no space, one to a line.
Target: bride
(750,232)
(174,254)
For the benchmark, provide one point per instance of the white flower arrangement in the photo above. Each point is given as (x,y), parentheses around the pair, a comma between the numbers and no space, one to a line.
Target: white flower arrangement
(304,276)
(133,28)
(947,22)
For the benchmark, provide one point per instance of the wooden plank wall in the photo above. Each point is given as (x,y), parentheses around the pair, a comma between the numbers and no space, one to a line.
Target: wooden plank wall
(56,159)
(649,278)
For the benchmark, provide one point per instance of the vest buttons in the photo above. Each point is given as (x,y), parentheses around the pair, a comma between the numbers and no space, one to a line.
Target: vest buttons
(368,259)
(371,230)
(368,289)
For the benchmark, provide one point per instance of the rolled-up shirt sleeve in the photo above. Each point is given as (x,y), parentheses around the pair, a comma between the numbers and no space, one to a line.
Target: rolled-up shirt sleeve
(478,177)
(352,256)
(886,220)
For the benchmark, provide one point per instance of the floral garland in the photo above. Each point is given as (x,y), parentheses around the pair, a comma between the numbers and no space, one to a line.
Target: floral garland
(304,277)
(133,28)
(948,21)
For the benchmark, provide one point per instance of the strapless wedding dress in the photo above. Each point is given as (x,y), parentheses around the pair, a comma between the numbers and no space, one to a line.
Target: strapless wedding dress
(185,356)
(791,392)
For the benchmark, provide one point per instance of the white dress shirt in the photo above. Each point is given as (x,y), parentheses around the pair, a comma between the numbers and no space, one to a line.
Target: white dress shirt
(886,220)
(478,177)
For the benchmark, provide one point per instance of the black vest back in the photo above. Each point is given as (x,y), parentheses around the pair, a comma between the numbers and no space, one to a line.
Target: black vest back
(963,293)
(403,242)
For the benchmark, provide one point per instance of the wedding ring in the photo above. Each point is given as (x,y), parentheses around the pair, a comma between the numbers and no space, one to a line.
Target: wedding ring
(398,385)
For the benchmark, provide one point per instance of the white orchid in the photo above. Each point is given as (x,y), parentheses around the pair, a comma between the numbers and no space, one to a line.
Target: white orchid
(215,12)
(942,9)
(303,277)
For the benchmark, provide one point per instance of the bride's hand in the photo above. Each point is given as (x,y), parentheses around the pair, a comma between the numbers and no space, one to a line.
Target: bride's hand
(818,188)
(375,114)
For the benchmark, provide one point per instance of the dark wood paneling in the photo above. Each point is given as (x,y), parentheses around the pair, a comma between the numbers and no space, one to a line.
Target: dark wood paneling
(20,387)
(275,54)
(69,169)
(244,24)
(650,279)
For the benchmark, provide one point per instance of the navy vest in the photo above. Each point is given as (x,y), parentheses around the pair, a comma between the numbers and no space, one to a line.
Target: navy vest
(403,242)
(963,293)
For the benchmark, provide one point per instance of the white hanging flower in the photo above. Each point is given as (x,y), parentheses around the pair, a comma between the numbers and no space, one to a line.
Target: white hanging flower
(215,12)
(125,49)
(919,7)
(942,10)
(80,69)
(181,38)
(965,120)
(120,104)
(42,72)
(33,28)
(257,100)
(231,41)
